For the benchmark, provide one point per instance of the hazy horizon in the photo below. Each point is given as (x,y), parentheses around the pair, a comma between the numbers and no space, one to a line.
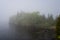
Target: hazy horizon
(11,7)
(21,29)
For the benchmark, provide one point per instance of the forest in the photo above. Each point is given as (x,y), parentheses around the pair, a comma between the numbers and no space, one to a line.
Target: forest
(35,25)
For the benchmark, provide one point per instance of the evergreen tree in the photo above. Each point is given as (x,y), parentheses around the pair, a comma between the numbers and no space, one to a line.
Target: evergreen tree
(58,27)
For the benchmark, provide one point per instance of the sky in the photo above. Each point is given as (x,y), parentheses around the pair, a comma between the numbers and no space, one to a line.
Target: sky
(11,7)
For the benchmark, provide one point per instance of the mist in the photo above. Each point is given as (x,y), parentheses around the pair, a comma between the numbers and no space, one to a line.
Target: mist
(9,8)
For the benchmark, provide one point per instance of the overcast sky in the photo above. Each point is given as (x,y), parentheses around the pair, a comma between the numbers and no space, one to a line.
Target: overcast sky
(10,7)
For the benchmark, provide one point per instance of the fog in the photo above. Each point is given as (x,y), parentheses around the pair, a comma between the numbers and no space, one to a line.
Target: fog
(11,7)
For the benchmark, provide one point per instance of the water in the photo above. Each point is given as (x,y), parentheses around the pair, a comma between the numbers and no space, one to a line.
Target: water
(6,33)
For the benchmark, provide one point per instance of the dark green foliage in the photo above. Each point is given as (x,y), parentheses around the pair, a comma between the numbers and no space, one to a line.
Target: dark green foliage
(58,27)
(32,23)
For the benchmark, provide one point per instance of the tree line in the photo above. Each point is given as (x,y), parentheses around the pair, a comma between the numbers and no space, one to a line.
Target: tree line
(32,22)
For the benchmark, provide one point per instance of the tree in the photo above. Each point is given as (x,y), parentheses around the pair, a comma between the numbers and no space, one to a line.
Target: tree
(50,20)
(58,27)
(31,23)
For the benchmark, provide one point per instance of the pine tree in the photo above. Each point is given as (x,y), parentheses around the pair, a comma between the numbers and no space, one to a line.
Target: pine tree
(58,27)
